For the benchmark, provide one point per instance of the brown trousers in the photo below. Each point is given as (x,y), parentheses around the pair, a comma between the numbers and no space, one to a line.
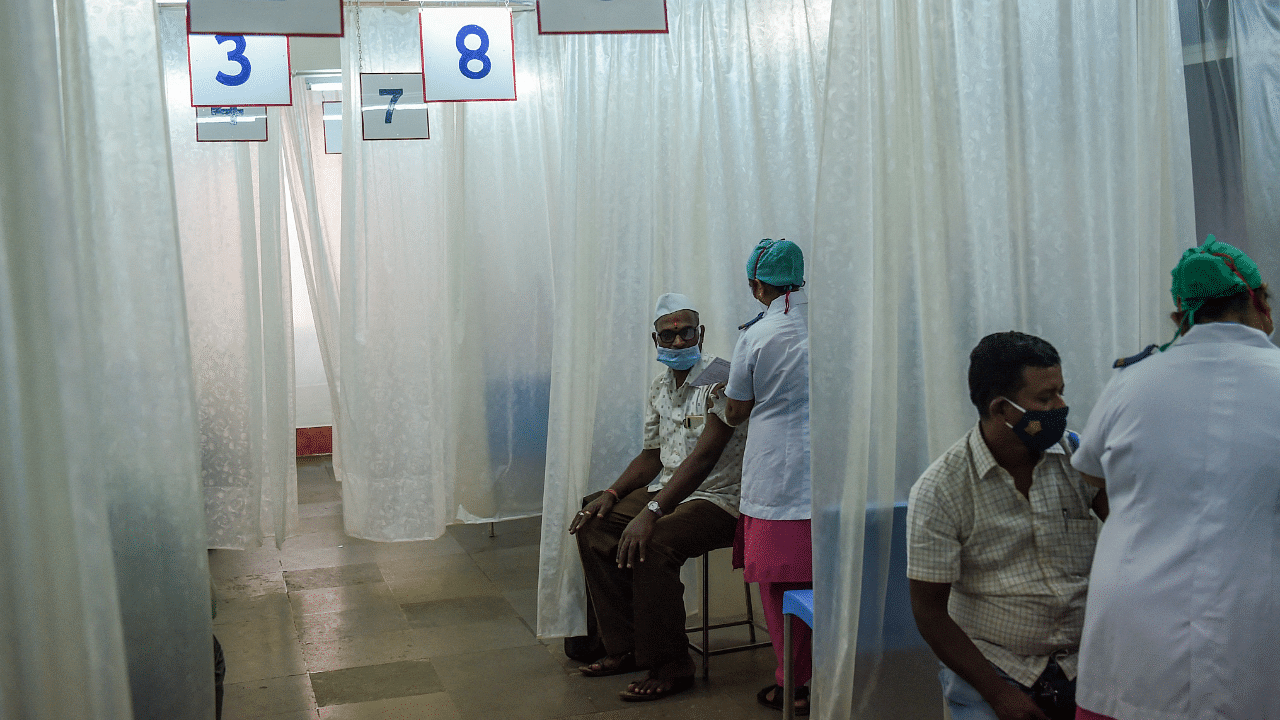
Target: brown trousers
(642,609)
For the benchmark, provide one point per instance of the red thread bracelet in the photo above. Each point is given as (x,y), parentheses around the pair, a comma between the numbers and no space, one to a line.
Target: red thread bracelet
(613,492)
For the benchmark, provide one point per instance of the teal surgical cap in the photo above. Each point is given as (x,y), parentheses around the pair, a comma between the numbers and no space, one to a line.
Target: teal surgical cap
(777,262)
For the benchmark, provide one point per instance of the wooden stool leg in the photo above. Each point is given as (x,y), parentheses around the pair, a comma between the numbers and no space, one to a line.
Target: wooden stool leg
(751,614)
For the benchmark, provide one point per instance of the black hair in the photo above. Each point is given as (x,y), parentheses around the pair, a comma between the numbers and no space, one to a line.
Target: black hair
(1237,304)
(996,364)
(780,289)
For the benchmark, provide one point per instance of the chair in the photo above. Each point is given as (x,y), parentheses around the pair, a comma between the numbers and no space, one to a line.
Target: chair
(795,603)
(704,649)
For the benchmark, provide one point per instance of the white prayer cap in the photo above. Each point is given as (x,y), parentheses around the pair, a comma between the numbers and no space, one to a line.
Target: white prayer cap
(672,302)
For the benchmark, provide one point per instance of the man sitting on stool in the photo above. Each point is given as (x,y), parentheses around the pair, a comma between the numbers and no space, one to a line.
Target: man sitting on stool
(678,498)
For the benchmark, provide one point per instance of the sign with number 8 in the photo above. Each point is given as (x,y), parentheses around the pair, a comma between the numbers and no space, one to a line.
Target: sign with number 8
(467,54)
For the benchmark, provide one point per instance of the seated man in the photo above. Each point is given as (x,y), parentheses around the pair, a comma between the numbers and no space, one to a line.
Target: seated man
(1000,540)
(678,498)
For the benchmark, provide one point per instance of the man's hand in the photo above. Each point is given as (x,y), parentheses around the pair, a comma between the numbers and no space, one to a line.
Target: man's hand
(1013,704)
(594,509)
(634,539)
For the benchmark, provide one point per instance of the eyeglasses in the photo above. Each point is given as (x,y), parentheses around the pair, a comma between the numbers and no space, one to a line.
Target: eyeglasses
(684,333)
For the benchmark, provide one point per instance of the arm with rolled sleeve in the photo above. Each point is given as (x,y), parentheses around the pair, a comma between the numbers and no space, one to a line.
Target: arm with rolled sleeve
(1093,440)
(740,391)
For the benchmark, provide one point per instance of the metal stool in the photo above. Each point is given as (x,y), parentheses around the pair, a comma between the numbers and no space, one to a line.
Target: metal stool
(795,603)
(705,628)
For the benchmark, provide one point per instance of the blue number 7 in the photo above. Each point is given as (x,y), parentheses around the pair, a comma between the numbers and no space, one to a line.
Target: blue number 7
(395,94)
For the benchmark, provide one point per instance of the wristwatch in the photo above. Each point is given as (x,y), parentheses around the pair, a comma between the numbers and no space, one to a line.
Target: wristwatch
(653,508)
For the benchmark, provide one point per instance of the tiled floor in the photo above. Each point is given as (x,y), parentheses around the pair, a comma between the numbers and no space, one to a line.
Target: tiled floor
(332,627)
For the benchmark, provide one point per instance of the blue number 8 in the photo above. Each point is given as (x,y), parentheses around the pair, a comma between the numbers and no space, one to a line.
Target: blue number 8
(236,54)
(467,54)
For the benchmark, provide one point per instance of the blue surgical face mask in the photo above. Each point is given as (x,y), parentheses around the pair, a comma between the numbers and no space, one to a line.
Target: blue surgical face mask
(1039,429)
(681,359)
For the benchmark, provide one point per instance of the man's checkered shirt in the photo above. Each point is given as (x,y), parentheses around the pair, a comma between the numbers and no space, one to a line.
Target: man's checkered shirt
(1018,566)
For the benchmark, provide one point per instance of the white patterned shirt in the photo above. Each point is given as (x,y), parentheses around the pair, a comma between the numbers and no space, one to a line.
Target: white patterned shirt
(673,422)
(1018,566)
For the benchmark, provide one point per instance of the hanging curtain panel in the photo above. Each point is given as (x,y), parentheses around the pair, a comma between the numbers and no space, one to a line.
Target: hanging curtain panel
(314,179)
(986,166)
(443,338)
(234,250)
(1255,37)
(105,588)
(680,152)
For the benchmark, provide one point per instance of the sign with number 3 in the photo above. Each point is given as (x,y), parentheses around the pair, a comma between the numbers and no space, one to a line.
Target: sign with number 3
(467,54)
(237,70)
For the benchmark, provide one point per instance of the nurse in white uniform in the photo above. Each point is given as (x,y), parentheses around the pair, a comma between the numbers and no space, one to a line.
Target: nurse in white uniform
(1183,616)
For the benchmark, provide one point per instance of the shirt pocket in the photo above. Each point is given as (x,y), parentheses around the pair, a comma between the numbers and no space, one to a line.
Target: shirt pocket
(1073,545)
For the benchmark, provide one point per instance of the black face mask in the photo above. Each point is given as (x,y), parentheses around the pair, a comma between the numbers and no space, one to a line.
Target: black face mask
(1039,429)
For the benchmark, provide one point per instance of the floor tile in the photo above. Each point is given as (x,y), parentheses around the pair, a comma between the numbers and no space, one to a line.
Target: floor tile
(375,682)
(403,568)
(273,607)
(437,706)
(268,698)
(516,684)
(510,568)
(375,649)
(510,533)
(344,597)
(320,509)
(313,558)
(244,586)
(354,622)
(456,611)
(499,633)
(357,574)
(463,582)
(525,603)
(259,650)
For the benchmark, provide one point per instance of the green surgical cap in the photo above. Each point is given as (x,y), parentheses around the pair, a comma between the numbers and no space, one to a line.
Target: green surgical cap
(776,262)
(1213,270)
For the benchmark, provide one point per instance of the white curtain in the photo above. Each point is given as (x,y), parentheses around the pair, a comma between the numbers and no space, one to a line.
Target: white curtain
(239,313)
(679,153)
(314,180)
(104,592)
(443,341)
(1255,36)
(985,166)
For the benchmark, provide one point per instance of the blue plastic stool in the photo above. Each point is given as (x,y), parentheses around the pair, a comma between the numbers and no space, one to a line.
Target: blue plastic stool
(795,603)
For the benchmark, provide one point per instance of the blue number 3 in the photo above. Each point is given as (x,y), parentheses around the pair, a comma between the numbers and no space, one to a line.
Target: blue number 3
(235,55)
(467,54)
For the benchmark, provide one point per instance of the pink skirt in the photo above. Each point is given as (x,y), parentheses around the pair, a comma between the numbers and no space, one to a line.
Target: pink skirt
(774,550)
(1082,714)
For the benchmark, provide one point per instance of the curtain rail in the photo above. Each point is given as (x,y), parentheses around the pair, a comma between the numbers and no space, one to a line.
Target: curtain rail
(515,5)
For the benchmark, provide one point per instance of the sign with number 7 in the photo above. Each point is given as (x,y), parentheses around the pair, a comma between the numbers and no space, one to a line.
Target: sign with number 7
(391,107)
(467,54)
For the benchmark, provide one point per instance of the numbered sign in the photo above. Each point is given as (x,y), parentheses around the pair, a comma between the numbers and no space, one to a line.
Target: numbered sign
(391,107)
(594,16)
(331,115)
(274,17)
(238,70)
(467,54)
(231,124)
